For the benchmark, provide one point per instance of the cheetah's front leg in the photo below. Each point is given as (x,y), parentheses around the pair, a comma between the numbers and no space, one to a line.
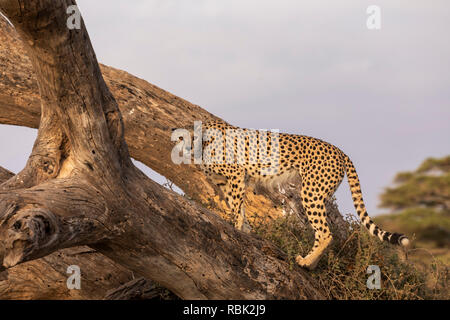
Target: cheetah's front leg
(242,222)
(234,194)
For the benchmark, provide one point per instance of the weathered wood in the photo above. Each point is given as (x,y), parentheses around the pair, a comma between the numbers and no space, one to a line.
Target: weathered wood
(46,278)
(5,175)
(140,289)
(98,198)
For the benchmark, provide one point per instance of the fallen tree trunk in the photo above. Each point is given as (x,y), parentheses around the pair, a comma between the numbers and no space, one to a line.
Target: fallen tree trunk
(80,187)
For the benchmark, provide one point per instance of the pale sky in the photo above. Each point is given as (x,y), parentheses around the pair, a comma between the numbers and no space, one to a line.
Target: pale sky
(305,67)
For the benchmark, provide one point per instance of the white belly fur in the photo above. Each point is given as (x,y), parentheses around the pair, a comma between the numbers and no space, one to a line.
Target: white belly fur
(271,182)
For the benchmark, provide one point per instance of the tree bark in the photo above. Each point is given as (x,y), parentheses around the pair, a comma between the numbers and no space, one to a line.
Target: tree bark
(5,175)
(140,289)
(46,278)
(80,188)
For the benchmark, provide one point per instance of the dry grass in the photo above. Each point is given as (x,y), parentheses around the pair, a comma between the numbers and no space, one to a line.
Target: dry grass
(342,271)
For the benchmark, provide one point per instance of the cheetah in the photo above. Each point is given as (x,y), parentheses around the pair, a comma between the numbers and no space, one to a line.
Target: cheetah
(233,157)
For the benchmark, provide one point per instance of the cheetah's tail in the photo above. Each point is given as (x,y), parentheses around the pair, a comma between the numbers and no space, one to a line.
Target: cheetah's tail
(355,188)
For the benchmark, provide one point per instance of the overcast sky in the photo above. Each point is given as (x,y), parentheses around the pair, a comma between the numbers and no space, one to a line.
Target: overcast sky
(306,67)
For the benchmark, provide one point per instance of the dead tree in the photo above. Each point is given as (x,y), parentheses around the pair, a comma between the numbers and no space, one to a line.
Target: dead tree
(79,186)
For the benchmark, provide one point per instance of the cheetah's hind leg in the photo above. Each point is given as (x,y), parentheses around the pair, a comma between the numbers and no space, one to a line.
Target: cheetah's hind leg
(310,261)
(315,210)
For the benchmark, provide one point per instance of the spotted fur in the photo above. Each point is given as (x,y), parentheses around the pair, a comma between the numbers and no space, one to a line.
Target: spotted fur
(320,165)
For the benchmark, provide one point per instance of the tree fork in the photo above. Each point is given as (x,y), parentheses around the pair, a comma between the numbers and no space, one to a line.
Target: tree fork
(103,201)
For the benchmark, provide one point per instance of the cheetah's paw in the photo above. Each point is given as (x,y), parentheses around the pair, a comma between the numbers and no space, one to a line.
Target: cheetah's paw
(306,262)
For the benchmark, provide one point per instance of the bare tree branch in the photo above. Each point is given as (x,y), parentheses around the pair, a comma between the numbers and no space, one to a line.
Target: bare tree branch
(46,278)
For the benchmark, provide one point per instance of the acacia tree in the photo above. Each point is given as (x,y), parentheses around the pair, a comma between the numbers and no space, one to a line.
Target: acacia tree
(79,186)
(421,200)
(428,186)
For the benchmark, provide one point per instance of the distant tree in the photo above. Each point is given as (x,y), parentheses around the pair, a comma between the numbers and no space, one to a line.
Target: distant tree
(421,199)
(428,186)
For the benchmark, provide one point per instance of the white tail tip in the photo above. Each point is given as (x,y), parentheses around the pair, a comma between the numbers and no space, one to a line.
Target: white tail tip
(405,242)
